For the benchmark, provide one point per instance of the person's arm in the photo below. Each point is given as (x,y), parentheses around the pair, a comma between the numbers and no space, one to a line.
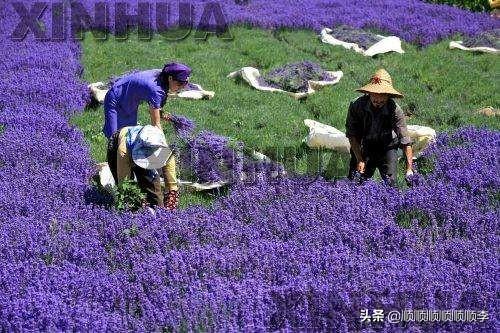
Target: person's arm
(352,126)
(155,117)
(156,101)
(356,148)
(404,138)
(408,151)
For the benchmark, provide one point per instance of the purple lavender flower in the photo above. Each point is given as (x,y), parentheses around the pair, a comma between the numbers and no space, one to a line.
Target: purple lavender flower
(183,126)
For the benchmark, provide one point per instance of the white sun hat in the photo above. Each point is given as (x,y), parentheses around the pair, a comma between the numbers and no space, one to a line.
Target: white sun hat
(150,149)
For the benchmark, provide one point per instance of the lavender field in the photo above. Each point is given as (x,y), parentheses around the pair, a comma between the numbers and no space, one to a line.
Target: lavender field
(287,254)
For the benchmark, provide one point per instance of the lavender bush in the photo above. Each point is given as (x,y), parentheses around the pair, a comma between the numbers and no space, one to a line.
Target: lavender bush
(294,77)
(352,35)
(414,21)
(278,255)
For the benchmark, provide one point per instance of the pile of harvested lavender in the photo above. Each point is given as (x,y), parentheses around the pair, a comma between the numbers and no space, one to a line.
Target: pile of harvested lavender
(294,77)
(363,38)
(490,38)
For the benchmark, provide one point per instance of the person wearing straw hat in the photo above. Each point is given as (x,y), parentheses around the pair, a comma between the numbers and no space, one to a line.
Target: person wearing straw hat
(139,151)
(376,128)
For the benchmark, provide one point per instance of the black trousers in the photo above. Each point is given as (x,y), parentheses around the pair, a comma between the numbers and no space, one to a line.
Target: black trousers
(148,185)
(386,161)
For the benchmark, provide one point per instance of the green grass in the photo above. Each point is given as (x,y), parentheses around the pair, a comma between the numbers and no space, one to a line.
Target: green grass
(443,87)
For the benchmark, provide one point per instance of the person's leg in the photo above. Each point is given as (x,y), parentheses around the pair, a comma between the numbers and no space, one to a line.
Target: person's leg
(388,166)
(123,157)
(149,185)
(111,154)
(169,174)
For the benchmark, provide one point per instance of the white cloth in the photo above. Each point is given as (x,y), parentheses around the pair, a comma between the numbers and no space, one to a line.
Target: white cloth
(421,136)
(194,94)
(251,76)
(386,44)
(99,90)
(325,136)
(460,46)
(105,175)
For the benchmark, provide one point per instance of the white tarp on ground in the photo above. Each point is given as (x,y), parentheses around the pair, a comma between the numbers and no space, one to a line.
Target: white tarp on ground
(99,90)
(251,75)
(325,136)
(387,44)
(106,179)
(460,46)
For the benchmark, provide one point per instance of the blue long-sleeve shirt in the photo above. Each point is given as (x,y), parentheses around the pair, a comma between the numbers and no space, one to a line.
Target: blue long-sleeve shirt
(122,100)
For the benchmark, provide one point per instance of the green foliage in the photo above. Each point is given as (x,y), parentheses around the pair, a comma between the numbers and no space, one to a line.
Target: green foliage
(132,231)
(407,217)
(425,165)
(128,196)
(474,5)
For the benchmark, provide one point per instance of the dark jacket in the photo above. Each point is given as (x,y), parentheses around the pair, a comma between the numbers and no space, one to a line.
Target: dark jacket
(377,130)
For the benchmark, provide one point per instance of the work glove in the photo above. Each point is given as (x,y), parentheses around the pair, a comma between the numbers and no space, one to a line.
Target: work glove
(408,177)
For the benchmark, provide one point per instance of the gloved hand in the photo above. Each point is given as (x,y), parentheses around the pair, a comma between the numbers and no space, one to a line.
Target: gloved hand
(358,177)
(165,116)
(408,176)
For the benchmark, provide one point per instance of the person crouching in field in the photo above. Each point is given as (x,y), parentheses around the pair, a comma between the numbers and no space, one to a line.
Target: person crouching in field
(376,128)
(139,151)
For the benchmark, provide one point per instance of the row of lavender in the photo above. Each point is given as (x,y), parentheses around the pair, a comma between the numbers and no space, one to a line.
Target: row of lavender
(415,21)
(288,253)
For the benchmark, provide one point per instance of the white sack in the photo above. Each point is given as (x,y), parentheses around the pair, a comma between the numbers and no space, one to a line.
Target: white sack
(324,136)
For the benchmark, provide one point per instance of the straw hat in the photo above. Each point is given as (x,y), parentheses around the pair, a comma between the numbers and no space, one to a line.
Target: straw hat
(150,149)
(380,83)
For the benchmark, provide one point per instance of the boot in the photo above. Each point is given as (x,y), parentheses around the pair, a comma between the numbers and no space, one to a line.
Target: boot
(171,200)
